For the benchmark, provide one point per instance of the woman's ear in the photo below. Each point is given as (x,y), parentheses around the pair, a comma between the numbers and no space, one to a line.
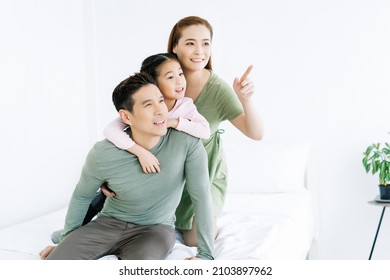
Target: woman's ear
(174,50)
(125,116)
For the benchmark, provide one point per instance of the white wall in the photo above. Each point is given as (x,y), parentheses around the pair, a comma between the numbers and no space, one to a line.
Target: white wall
(43,105)
(321,72)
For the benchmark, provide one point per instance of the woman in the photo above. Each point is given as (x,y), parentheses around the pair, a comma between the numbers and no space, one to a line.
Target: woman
(191,40)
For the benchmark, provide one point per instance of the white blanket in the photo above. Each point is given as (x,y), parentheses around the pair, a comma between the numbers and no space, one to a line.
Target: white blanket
(253,226)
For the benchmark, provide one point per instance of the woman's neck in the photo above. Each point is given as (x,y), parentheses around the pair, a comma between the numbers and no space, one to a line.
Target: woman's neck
(193,74)
(196,80)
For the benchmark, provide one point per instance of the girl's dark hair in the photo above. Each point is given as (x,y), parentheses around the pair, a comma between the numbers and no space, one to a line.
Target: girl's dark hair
(177,30)
(152,63)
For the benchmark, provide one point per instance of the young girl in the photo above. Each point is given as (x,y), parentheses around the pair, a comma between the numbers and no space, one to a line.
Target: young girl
(191,40)
(182,113)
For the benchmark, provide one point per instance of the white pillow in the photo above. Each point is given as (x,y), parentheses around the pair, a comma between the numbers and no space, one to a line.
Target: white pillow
(259,167)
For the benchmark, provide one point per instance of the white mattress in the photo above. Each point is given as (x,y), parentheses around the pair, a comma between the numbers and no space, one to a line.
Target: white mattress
(270,226)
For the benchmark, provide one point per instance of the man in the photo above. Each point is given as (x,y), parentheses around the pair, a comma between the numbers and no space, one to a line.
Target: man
(138,222)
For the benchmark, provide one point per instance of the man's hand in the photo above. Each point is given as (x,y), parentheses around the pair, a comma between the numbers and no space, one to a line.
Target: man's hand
(46,252)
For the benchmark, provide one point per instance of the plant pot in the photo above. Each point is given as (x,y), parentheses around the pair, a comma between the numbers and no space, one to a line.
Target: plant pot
(384,192)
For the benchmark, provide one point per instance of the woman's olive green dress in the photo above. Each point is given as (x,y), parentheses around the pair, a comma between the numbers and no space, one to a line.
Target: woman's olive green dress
(217,102)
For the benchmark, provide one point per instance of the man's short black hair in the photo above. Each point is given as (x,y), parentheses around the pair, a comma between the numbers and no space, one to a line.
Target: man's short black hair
(122,94)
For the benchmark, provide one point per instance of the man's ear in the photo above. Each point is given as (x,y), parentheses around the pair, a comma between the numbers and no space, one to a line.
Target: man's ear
(125,116)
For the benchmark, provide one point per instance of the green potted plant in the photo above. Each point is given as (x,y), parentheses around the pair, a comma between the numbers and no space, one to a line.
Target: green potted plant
(377,159)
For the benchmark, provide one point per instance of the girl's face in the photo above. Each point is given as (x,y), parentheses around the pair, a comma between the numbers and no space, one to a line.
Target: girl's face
(171,80)
(194,47)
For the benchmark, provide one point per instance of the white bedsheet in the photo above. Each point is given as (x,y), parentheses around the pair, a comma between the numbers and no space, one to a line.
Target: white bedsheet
(272,226)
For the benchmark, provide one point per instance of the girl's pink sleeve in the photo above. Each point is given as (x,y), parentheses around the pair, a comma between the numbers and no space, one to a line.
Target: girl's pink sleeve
(115,134)
(191,121)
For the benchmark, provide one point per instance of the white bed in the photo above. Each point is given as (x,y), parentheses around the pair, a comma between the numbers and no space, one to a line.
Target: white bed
(268,212)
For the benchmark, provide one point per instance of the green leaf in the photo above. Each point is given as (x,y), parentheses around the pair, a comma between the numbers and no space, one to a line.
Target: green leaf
(368,150)
(374,167)
(367,167)
(383,166)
